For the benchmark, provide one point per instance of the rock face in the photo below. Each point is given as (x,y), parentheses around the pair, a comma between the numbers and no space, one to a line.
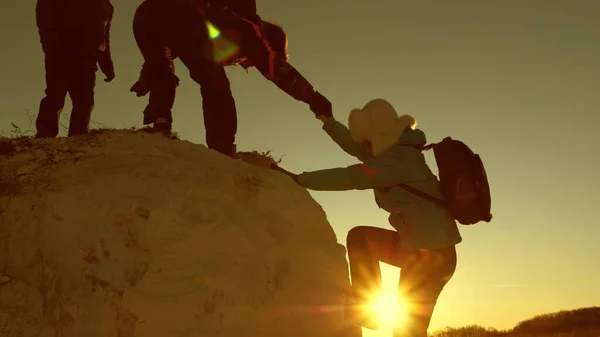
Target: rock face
(129,234)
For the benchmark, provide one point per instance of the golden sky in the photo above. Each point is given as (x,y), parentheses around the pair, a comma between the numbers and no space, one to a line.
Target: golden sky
(518,81)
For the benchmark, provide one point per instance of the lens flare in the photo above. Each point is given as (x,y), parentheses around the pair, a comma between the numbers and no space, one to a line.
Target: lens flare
(223,49)
(213,32)
(386,308)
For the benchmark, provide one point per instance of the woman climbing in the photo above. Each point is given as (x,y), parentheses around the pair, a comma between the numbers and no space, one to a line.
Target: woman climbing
(423,242)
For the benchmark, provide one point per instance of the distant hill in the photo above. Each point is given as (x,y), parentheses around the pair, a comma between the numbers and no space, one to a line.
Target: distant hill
(583,322)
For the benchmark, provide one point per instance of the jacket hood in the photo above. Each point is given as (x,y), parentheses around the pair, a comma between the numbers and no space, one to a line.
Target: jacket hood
(412,137)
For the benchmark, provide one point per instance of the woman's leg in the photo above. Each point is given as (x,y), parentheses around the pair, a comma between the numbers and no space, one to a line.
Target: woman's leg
(366,247)
(423,275)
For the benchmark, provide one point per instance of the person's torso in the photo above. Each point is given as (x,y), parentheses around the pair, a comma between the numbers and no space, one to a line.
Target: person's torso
(421,223)
(83,22)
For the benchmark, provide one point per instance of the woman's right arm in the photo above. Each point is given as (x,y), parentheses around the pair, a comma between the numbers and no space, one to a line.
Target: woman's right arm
(341,135)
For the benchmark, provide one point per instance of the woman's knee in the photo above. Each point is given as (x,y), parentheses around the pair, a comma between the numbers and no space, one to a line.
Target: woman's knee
(372,234)
(357,235)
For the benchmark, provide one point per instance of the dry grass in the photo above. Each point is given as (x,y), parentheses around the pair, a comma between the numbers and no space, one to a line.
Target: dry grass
(583,322)
(20,139)
(10,146)
(145,129)
(262,159)
(17,139)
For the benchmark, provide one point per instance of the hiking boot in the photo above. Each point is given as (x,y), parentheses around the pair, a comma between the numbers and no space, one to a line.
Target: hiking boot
(229,151)
(41,135)
(46,132)
(357,312)
(77,133)
(162,125)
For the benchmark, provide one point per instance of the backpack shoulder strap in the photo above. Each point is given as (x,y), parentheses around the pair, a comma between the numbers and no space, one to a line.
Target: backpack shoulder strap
(417,191)
(423,195)
(428,147)
(423,148)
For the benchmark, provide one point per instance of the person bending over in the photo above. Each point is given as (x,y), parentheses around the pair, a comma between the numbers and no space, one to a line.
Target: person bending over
(143,86)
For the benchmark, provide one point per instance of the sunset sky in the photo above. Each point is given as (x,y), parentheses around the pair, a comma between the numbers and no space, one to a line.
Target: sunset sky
(517,80)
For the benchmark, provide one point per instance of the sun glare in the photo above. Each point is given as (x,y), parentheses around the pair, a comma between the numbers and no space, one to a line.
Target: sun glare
(386,308)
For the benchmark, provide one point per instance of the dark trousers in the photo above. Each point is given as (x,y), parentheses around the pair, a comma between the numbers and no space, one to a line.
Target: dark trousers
(160,26)
(68,71)
(423,274)
(163,90)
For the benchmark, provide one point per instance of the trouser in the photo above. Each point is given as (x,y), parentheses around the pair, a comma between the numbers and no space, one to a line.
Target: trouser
(160,24)
(161,89)
(423,274)
(71,71)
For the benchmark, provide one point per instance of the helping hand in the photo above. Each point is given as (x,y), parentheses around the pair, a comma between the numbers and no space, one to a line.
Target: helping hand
(275,167)
(109,77)
(324,118)
(321,106)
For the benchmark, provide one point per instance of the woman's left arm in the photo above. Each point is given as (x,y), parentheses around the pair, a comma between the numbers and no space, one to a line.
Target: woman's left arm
(372,174)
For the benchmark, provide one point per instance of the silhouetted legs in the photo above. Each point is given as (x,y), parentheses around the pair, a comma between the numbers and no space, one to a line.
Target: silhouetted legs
(422,279)
(164,83)
(52,104)
(81,91)
(158,25)
(423,274)
(218,104)
(73,72)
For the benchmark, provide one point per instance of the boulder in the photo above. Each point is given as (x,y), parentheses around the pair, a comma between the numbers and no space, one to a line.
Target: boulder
(123,233)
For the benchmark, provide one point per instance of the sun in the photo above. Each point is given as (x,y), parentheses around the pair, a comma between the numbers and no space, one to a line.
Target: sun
(386,307)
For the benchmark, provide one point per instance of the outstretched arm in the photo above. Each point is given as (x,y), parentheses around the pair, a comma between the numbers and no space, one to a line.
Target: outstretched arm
(341,135)
(271,62)
(290,80)
(374,174)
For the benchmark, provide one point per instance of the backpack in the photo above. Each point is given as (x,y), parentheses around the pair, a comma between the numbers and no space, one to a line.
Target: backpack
(463,182)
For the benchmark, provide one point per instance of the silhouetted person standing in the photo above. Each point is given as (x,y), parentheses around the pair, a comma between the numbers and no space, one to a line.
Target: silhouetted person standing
(75,38)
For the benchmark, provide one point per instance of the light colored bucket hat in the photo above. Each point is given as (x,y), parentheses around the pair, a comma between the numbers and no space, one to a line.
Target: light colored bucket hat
(378,123)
